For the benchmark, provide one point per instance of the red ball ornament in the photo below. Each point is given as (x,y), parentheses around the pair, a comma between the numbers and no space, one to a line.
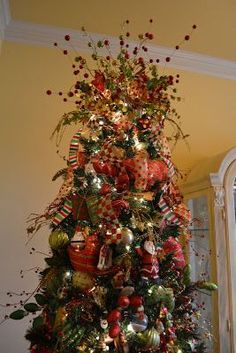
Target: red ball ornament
(136,300)
(123,301)
(114,331)
(113,316)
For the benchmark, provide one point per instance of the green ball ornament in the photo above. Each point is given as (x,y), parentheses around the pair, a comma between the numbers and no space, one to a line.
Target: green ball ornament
(58,239)
(150,338)
(127,236)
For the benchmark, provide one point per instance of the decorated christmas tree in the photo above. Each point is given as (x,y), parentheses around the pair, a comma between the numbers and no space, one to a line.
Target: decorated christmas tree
(117,279)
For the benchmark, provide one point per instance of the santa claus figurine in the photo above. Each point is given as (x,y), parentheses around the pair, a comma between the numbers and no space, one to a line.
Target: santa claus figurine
(150,265)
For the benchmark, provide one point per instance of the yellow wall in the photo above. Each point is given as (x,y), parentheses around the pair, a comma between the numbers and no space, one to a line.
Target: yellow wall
(29,160)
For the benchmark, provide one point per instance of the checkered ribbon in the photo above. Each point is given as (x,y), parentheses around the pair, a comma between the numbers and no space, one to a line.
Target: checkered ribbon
(63,213)
(107,154)
(73,151)
(110,221)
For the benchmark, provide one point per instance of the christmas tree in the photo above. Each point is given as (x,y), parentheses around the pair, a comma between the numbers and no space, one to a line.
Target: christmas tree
(117,279)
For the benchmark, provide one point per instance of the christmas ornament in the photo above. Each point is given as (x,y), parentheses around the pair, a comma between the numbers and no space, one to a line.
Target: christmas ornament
(78,239)
(172,246)
(105,258)
(127,236)
(150,338)
(58,240)
(104,324)
(114,330)
(123,301)
(86,259)
(113,316)
(136,300)
(139,320)
(82,280)
(127,291)
(149,261)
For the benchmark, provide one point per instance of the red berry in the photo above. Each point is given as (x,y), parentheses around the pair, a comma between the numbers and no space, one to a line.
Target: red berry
(151,20)
(86,75)
(60,93)
(108,57)
(67,37)
(177,81)
(106,42)
(157,60)
(187,37)
(65,99)
(167,59)
(55,44)
(146,34)
(127,21)
(65,52)
(151,61)
(127,34)
(81,67)
(177,75)
(126,56)
(177,47)
(122,42)
(123,301)
(150,36)
(127,46)
(70,94)
(49,92)
(194,27)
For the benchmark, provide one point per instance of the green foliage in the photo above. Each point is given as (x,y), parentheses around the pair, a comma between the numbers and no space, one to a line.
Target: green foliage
(18,314)
(31,307)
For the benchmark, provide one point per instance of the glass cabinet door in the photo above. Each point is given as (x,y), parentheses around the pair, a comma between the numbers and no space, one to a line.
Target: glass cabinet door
(199,259)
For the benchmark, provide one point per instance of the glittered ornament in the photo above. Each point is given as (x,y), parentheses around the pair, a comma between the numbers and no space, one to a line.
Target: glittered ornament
(82,280)
(58,239)
(150,338)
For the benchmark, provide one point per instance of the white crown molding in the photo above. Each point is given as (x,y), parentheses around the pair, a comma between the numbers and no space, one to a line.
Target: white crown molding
(5,17)
(38,34)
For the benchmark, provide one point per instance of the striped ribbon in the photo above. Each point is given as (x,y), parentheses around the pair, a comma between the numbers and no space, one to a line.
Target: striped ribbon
(63,213)
(73,151)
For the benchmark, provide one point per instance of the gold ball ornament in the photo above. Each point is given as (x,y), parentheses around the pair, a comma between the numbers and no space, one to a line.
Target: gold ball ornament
(82,280)
(150,338)
(127,236)
(58,239)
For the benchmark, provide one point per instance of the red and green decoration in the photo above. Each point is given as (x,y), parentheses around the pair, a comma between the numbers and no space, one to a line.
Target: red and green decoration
(117,280)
